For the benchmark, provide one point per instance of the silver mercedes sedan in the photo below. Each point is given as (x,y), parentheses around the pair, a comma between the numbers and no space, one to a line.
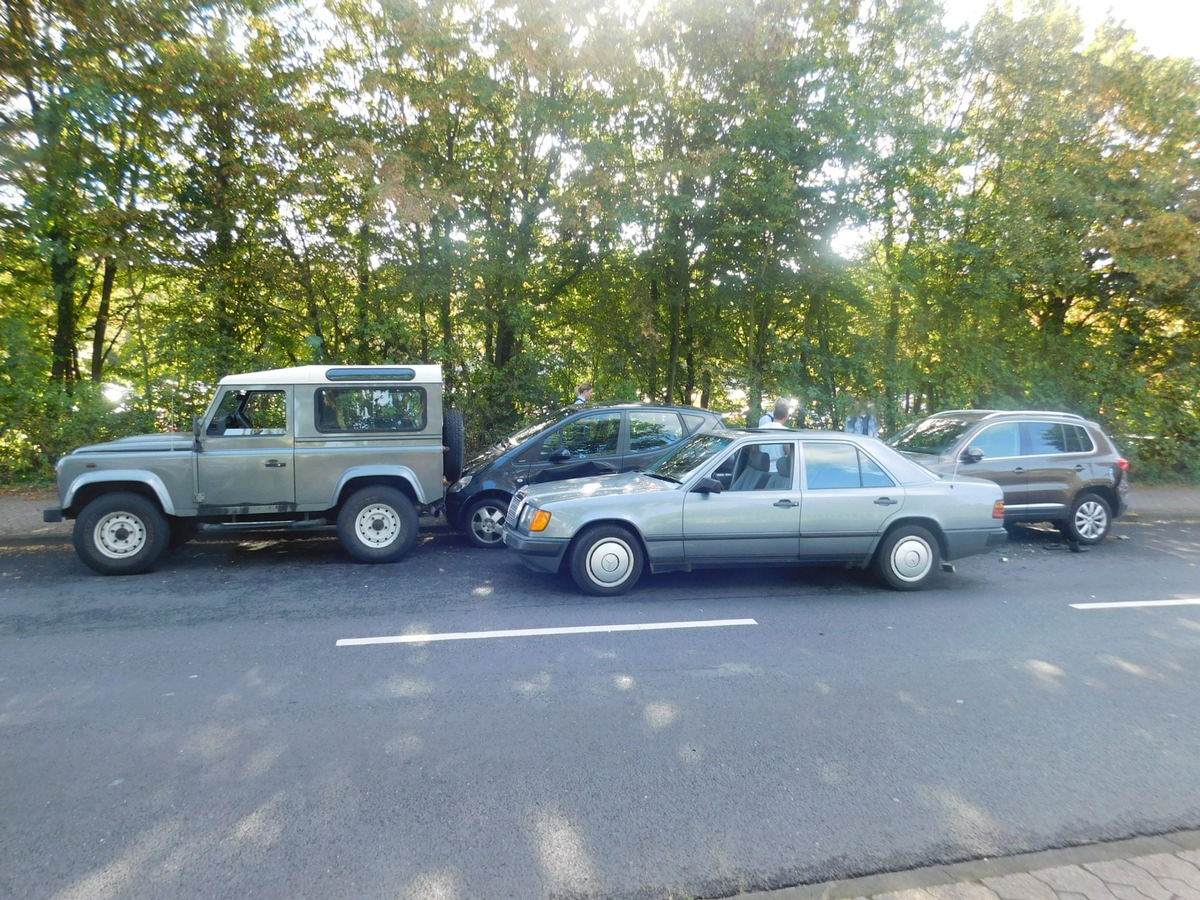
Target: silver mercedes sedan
(761,497)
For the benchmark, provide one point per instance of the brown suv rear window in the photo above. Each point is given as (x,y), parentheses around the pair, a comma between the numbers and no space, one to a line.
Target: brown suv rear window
(1055,437)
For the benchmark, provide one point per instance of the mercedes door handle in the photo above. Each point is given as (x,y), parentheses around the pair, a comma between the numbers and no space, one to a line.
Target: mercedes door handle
(275,464)
(785,503)
(886,501)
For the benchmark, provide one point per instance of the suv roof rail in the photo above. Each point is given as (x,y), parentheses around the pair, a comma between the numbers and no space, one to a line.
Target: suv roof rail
(990,413)
(1033,412)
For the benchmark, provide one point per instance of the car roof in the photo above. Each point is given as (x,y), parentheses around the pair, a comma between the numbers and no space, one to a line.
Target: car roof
(419,374)
(577,407)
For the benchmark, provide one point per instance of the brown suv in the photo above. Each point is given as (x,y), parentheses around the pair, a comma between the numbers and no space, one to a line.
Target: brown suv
(1053,466)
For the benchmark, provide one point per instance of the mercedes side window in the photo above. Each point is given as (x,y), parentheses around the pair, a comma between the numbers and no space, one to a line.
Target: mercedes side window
(829,466)
(759,467)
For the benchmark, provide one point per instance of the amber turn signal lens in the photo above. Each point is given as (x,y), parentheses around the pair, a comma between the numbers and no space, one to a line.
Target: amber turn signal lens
(540,520)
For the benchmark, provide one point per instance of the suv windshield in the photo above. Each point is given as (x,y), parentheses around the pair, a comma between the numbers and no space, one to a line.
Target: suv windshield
(690,454)
(934,436)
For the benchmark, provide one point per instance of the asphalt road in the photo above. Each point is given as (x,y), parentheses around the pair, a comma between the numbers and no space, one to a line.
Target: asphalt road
(199,732)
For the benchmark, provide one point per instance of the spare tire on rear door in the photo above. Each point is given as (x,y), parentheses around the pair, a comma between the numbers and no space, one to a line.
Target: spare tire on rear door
(454,441)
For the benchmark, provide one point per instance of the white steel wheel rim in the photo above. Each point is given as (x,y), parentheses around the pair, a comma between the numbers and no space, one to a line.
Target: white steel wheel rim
(120,535)
(487,524)
(912,558)
(377,525)
(609,562)
(1090,520)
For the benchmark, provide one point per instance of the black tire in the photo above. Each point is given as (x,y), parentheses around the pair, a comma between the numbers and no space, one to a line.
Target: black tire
(121,533)
(377,524)
(483,523)
(907,558)
(455,442)
(1090,520)
(606,560)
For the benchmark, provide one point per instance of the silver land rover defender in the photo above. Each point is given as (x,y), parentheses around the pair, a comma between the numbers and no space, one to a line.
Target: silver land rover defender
(366,448)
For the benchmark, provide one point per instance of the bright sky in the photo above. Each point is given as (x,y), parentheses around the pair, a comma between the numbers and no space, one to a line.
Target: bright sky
(1164,27)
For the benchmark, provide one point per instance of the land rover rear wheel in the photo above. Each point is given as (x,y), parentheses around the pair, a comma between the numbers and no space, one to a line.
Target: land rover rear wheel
(377,524)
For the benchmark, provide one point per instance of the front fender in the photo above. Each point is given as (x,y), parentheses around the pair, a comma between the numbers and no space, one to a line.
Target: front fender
(104,476)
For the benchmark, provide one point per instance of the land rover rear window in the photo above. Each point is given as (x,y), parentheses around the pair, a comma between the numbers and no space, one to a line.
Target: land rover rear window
(371,409)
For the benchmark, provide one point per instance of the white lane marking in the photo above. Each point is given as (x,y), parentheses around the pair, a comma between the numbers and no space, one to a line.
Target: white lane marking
(537,632)
(1133,604)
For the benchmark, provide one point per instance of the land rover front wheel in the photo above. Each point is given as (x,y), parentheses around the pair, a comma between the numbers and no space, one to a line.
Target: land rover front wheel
(120,533)
(377,524)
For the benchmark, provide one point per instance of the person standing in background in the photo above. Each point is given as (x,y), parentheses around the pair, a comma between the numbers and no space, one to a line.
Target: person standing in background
(864,421)
(777,418)
(583,393)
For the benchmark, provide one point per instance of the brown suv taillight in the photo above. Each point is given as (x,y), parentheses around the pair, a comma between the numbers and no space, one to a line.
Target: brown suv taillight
(998,509)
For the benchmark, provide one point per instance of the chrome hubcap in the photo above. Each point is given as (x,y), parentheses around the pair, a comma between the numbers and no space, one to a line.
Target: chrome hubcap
(912,559)
(610,562)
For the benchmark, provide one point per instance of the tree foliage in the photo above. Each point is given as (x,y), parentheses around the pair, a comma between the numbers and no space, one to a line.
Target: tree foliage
(657,199)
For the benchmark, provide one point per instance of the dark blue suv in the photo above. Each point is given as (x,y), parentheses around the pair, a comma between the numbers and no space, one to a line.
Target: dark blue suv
(575,441)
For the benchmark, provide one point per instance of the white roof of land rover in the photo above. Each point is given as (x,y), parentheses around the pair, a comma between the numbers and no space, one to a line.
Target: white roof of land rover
(420,374)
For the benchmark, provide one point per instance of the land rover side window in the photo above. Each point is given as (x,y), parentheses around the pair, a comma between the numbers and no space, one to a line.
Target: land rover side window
(829,466)
(367,409)
(586,437)
(1047,438)
(250,412)
(999,441)
(653,430)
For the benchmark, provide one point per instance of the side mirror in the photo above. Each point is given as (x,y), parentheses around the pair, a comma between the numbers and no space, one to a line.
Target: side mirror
(197,431)
(972,455)
(707,486)
(560,456)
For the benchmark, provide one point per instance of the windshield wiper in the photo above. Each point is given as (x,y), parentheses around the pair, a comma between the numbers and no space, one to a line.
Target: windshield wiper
(661,477)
